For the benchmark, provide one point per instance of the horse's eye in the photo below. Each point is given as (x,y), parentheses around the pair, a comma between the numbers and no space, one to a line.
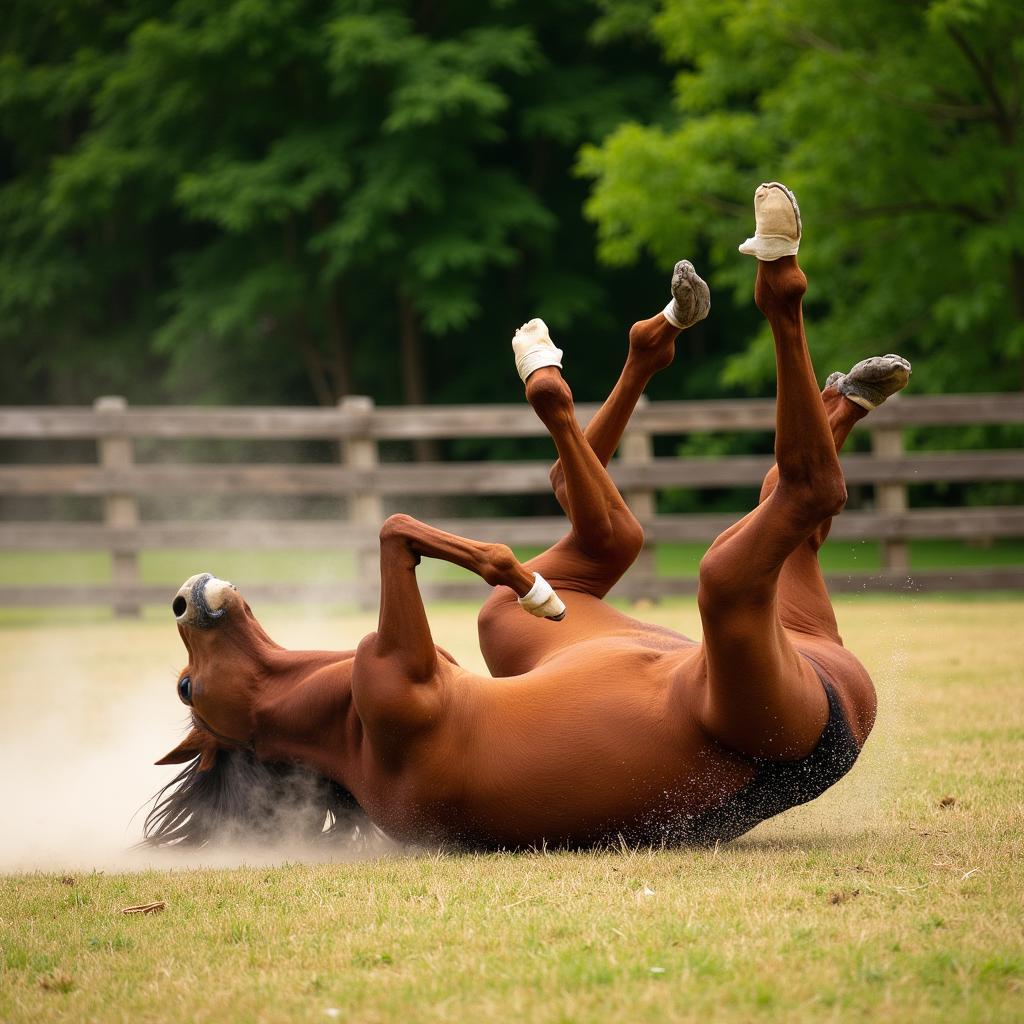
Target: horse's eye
(185,689)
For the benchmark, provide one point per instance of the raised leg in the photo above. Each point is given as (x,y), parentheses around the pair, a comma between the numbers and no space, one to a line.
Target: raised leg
(804,604)
(396,666)
(605,537)
(762,698)
(803,600)
(652,345)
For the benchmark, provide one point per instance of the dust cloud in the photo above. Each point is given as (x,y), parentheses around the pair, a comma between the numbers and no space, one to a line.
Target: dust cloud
(85,710)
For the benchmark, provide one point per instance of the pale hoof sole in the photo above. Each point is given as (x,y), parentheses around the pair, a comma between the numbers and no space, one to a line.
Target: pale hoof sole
(871,381)
(691,297)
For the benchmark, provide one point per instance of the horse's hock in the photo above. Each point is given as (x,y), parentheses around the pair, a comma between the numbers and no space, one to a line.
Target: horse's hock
(36,482)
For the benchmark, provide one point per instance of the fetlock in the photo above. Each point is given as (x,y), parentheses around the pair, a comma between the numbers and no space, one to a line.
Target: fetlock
(548,393)
(780,286)
(652,344)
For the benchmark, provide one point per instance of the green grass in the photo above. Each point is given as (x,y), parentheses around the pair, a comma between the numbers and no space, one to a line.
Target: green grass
(880,901)
(171,566)
(298,566)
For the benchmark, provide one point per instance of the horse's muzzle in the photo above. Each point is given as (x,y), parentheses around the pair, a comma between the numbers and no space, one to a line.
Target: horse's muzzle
(201,601)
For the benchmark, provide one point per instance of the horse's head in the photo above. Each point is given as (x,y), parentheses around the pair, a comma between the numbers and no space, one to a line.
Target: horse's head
(227,788)
(228,653)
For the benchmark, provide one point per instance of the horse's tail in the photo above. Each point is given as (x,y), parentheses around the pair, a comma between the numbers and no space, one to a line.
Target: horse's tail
(242,799)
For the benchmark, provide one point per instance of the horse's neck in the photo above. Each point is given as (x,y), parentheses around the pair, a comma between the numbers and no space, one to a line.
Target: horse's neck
(305,713)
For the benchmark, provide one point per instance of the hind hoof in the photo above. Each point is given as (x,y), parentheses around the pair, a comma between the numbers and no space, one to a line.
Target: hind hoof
(871,381)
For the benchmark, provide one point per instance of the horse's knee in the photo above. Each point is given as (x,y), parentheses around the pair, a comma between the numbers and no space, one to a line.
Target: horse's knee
(724,585)
(629,538)
(556,477)
(813,499)
(614,540)
(396,527)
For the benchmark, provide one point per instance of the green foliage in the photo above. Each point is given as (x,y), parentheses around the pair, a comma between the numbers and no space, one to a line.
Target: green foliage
(898,126)
(261,199)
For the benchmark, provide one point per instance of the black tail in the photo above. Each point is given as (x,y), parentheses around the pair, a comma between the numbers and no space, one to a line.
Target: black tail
(242,799)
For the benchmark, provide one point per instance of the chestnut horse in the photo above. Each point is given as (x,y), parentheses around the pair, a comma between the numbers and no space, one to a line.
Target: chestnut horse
(592,728)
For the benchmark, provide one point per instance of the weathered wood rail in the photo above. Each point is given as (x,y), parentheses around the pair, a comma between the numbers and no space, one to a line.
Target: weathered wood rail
(359,427)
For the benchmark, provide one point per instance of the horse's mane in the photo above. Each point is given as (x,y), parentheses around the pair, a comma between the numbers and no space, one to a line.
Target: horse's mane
(242,799)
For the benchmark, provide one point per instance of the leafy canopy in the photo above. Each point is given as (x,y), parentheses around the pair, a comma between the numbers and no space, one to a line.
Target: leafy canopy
(899,126)
(278,199)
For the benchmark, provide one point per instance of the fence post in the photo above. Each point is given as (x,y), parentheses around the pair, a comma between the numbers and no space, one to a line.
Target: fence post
(120,510)
(888,442)
(637,449)
(366,508)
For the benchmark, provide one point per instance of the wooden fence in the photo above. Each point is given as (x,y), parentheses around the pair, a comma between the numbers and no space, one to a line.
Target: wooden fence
(358,427)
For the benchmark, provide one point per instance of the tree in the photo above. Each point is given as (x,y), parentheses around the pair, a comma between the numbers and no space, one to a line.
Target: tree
(899,127)
(281,199)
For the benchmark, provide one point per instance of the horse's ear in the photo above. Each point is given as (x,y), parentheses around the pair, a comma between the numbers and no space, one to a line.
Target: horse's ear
(195,744)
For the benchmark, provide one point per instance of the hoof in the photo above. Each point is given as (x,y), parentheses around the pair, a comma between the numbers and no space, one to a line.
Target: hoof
(542,601)
(533,348)
(872,380)
(691,297)
(777,224)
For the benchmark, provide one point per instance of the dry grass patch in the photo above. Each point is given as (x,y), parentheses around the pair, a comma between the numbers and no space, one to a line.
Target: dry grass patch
(896,896)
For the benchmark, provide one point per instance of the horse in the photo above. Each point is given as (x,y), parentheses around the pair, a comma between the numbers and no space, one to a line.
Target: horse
(593,727)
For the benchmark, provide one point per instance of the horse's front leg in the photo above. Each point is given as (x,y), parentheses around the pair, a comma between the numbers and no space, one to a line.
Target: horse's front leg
(495,564)
(396,676)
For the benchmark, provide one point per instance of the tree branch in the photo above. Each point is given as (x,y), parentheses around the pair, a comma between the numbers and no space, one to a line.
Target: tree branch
(984,74)
(724,206)
(921,206)
(949,111)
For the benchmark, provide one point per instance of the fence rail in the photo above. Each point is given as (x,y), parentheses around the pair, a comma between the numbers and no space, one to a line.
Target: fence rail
(358,427)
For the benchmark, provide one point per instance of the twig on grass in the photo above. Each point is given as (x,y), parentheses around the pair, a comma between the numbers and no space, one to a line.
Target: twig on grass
(146,908)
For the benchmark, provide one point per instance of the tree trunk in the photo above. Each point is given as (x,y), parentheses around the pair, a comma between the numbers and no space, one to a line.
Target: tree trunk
(414,384)
(340,359)
(313,362)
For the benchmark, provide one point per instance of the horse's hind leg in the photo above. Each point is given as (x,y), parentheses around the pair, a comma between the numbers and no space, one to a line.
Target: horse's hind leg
(804,603)
(762,698)
(604,539)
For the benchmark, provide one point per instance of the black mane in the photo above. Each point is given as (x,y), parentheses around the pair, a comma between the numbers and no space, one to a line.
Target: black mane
(242,799)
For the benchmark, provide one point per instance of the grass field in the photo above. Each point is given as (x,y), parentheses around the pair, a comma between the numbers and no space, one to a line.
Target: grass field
(164,566)
(897,896)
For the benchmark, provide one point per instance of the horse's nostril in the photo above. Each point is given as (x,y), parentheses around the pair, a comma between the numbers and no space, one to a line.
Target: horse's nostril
(178,606)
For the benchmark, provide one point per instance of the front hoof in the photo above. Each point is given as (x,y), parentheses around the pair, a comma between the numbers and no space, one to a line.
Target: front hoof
(691,297)
(542,601)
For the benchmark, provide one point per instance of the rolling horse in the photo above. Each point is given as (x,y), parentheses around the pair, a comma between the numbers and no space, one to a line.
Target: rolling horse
(593,725)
